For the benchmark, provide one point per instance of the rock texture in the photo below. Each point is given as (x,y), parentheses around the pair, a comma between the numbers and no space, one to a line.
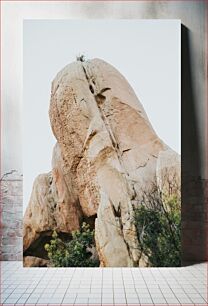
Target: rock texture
(107,152)
(168,172)
(38,216)
(31,261)
(51,206)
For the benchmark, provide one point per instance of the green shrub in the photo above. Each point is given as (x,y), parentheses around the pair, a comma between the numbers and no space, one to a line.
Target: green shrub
(159,229)
(78,252)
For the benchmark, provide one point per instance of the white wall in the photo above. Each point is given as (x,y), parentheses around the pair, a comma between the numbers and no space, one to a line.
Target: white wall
(191,13)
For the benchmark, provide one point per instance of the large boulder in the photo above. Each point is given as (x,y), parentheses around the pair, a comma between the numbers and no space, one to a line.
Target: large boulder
(107,154)
(110,150)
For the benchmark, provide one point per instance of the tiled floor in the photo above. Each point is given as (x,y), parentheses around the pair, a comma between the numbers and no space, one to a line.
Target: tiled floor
(96,286)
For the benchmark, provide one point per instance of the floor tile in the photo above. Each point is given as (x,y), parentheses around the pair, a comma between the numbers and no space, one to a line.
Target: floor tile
(131,286)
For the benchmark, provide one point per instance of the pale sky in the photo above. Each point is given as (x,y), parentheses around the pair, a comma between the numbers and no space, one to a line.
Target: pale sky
(146,52)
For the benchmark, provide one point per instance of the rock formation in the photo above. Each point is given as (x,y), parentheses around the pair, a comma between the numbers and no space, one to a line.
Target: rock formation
(106,153)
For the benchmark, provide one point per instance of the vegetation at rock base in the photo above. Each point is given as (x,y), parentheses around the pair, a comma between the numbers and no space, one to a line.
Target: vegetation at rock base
(78,252)
(157,219)
(158,224)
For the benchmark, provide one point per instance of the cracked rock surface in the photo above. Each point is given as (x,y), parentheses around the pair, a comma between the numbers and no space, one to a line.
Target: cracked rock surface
(106,153)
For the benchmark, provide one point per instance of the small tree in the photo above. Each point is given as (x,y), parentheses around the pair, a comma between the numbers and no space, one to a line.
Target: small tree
(158,224)
(79,252)
(81,58)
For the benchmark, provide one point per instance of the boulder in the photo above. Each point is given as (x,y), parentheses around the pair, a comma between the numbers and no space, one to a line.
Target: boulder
(31,261)
(39,215)
(107,154)
(110,150)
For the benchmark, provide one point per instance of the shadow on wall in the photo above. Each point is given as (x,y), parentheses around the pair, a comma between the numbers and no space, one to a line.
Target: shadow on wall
(194,205)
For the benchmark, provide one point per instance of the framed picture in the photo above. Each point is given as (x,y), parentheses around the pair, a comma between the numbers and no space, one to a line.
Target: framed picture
(102,166)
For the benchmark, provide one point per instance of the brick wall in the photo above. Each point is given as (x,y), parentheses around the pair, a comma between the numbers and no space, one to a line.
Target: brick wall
(11,216)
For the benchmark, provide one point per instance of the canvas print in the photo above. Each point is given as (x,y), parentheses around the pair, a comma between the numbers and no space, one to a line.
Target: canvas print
(102,168)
